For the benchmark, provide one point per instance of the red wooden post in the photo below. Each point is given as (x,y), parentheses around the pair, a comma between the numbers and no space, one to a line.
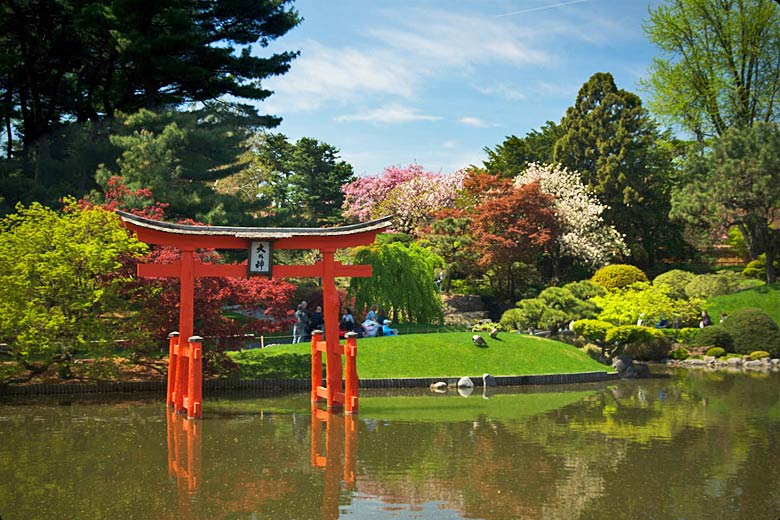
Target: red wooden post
(330,299)
(195,378)
(351,377)
(182,370)
(316,365)
(173,343)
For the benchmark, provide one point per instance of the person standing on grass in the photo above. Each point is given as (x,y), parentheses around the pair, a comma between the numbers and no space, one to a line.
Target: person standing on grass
(317,320)
(301,321)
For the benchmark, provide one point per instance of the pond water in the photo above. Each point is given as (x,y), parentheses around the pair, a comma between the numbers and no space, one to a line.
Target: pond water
(682,445)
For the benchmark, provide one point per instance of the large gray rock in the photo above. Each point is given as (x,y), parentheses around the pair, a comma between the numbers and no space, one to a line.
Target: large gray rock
(621,363)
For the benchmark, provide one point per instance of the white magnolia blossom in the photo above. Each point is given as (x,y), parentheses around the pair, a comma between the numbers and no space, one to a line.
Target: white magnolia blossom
(585,235)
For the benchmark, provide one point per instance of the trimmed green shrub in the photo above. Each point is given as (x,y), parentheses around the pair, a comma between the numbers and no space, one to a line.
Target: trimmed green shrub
(753,329)
(680,354)
(593,330)
(617,276)
(757,268)
(641,343)
(676,279)
(716,352)
(525,316)
(709,285)
(758,354)
(714,336)
(486,326)
(585,289)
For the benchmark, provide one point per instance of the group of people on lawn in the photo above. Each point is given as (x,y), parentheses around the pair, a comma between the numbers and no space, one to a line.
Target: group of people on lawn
(375,324)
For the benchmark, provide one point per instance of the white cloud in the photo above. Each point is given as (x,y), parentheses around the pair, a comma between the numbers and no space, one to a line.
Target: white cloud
(473,121)
(502,90)
(388,114)
(323,75)
(439,39)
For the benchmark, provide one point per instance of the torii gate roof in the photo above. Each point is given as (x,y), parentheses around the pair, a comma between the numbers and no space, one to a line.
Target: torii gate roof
(187,236)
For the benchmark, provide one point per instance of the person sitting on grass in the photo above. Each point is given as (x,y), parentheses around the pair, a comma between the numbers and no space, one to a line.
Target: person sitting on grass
(386,330)
(370,328)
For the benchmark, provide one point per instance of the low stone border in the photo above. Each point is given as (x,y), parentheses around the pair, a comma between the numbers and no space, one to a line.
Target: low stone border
(292,385)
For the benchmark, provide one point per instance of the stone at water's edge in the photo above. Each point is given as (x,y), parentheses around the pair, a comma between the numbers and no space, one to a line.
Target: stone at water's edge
(465,382)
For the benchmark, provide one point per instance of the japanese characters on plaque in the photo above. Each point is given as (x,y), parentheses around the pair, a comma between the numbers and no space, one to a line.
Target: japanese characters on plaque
(260,257)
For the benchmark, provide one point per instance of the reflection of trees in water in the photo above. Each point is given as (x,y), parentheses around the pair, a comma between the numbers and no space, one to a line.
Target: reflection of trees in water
(694,446)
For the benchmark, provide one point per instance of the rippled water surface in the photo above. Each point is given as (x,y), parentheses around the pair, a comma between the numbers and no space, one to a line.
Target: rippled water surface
(685,445)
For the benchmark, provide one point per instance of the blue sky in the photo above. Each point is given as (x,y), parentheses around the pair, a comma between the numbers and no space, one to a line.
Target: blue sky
(391,82)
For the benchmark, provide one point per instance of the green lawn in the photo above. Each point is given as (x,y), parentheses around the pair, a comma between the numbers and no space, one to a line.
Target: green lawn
(766,298)
(452,354)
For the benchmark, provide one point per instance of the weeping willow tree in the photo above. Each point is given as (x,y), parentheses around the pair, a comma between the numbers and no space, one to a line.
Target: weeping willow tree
(402,282)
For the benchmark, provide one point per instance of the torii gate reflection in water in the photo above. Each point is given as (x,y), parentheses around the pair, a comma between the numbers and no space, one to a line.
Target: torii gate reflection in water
(184,364)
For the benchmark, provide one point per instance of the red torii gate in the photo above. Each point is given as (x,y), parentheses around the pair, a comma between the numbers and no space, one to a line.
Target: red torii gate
(184,364)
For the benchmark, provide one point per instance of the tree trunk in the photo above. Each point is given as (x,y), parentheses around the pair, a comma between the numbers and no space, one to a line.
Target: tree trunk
(771,254)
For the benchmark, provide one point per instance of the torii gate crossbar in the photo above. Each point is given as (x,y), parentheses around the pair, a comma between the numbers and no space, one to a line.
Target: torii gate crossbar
(184,374)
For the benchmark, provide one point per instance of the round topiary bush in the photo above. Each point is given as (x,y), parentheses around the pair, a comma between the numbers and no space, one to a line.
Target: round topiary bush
(617,276)
(758,354)
(680,354)
(753,329)
(714,336)
(716,352)
(677,279)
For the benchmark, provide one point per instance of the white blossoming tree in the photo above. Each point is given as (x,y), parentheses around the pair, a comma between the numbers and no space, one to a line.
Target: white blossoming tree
(585,237)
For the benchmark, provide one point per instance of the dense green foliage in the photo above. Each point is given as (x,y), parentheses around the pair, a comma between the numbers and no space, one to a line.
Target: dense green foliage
(618,276)
(402,282)
(677,279)
(734,183)
(716,352)
(680,354)
(641,343)
(552,309)
(60,281)
(753,329)
(757,268)
(67,67)
(593,330)
(719,62)
(513,155)
(651,303)
(714,336)
(717,284)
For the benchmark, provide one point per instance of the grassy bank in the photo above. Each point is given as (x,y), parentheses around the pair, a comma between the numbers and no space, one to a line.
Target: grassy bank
(448,354)
(766,298)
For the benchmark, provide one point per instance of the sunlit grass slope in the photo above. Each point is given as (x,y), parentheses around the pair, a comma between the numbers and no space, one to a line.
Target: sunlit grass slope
(452,354)
(766,298)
